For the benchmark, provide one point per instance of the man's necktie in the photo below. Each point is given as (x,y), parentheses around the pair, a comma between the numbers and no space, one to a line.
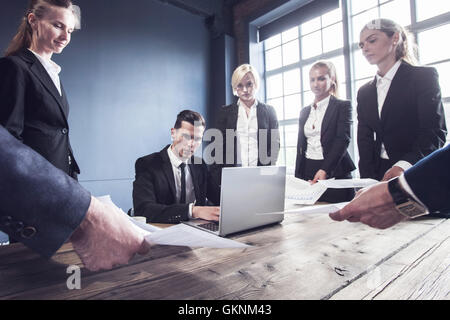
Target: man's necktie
(183,183)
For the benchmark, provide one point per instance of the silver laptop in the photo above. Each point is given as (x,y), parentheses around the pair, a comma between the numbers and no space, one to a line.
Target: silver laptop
(245,193)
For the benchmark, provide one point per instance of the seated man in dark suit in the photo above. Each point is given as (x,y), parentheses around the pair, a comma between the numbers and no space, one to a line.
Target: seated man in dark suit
(171,185)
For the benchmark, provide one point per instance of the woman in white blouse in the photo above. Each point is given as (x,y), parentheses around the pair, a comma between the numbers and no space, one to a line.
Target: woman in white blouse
(249,127)
(33,103)
(400,113)
(324,134)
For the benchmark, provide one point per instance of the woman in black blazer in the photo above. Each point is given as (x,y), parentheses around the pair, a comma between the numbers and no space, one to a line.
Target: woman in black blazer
(324,134)
(400,113)
(33,104)
(249,124)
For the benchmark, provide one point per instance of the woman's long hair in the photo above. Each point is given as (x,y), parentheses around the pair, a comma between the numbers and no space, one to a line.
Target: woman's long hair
(24,34)
(406,47)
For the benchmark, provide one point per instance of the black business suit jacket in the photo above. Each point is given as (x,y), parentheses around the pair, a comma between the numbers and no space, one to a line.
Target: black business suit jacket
(412,123)
(33,111)
(334,137)
(429,179)
(154,191)
(227,119)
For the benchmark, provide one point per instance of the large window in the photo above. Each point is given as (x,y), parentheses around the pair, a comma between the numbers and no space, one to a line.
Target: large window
(290,54)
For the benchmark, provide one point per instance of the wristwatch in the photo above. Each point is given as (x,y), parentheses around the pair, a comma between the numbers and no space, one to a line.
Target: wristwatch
(404,203)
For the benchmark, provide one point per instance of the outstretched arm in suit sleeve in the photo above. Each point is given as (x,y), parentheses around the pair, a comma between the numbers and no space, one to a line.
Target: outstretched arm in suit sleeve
(429,179)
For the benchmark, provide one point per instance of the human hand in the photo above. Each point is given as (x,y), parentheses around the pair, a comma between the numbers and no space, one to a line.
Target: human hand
(373,206)
(393,172)
(320,175)
(106,238)
(206,213)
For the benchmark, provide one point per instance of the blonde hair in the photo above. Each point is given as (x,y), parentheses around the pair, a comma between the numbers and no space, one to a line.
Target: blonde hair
(240,73)
(331,71)
(39,8)
(406,48)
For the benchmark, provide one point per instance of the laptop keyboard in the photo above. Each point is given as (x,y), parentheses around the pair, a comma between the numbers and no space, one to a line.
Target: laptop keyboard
(210,226)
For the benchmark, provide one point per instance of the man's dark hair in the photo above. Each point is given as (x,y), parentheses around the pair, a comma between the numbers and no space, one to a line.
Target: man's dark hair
(190,116)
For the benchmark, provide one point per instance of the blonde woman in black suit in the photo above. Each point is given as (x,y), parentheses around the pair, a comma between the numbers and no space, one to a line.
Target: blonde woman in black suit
(400,113)
(33,104)
(324,134)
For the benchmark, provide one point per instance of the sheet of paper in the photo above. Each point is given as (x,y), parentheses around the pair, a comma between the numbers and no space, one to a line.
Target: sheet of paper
(147,227)
(347,183)
(184,235)
(302,191)
(319,209)
(179,235)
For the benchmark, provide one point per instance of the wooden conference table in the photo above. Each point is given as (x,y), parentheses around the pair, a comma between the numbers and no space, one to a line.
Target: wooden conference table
(304,257)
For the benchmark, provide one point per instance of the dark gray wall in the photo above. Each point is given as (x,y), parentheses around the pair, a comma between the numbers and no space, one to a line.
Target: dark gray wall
(127,73)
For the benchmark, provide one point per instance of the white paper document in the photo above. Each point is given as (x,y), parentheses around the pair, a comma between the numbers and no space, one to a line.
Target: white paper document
(347,183)
(302,191)
(320,209)
(178,235)
(184,235)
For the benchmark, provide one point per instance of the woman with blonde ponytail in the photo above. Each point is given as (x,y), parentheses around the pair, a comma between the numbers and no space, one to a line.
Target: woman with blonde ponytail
(324,133)
(33,103)
(400,112)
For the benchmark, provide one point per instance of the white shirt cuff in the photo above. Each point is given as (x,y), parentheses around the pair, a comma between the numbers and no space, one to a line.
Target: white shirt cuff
(190,210)
(405,165)
(404,184)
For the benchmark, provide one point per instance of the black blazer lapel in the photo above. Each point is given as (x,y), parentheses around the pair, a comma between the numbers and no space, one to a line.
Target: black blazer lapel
(329,115)
(395,91)
(232,119)
(372,101)
(39,71)
(301,127)
(167,169)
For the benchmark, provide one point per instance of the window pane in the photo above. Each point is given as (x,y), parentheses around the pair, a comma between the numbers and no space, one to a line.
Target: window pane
(293,105)
(332,17)
(362,67)
(291,133)
(360,5)
(274,86)
(333,37)
(281,159)
(397,10)
(272,41)
(444,79)
(310,26)
(292,81)
(291,53)
(359,21)
(430,8)
(289,35)
(291,156)
(273,59)
(431,46)
(311,45)
(277,104)
(305,71)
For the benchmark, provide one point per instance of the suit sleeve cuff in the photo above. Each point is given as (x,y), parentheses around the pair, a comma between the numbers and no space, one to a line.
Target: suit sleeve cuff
(404,184)
(405,165)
